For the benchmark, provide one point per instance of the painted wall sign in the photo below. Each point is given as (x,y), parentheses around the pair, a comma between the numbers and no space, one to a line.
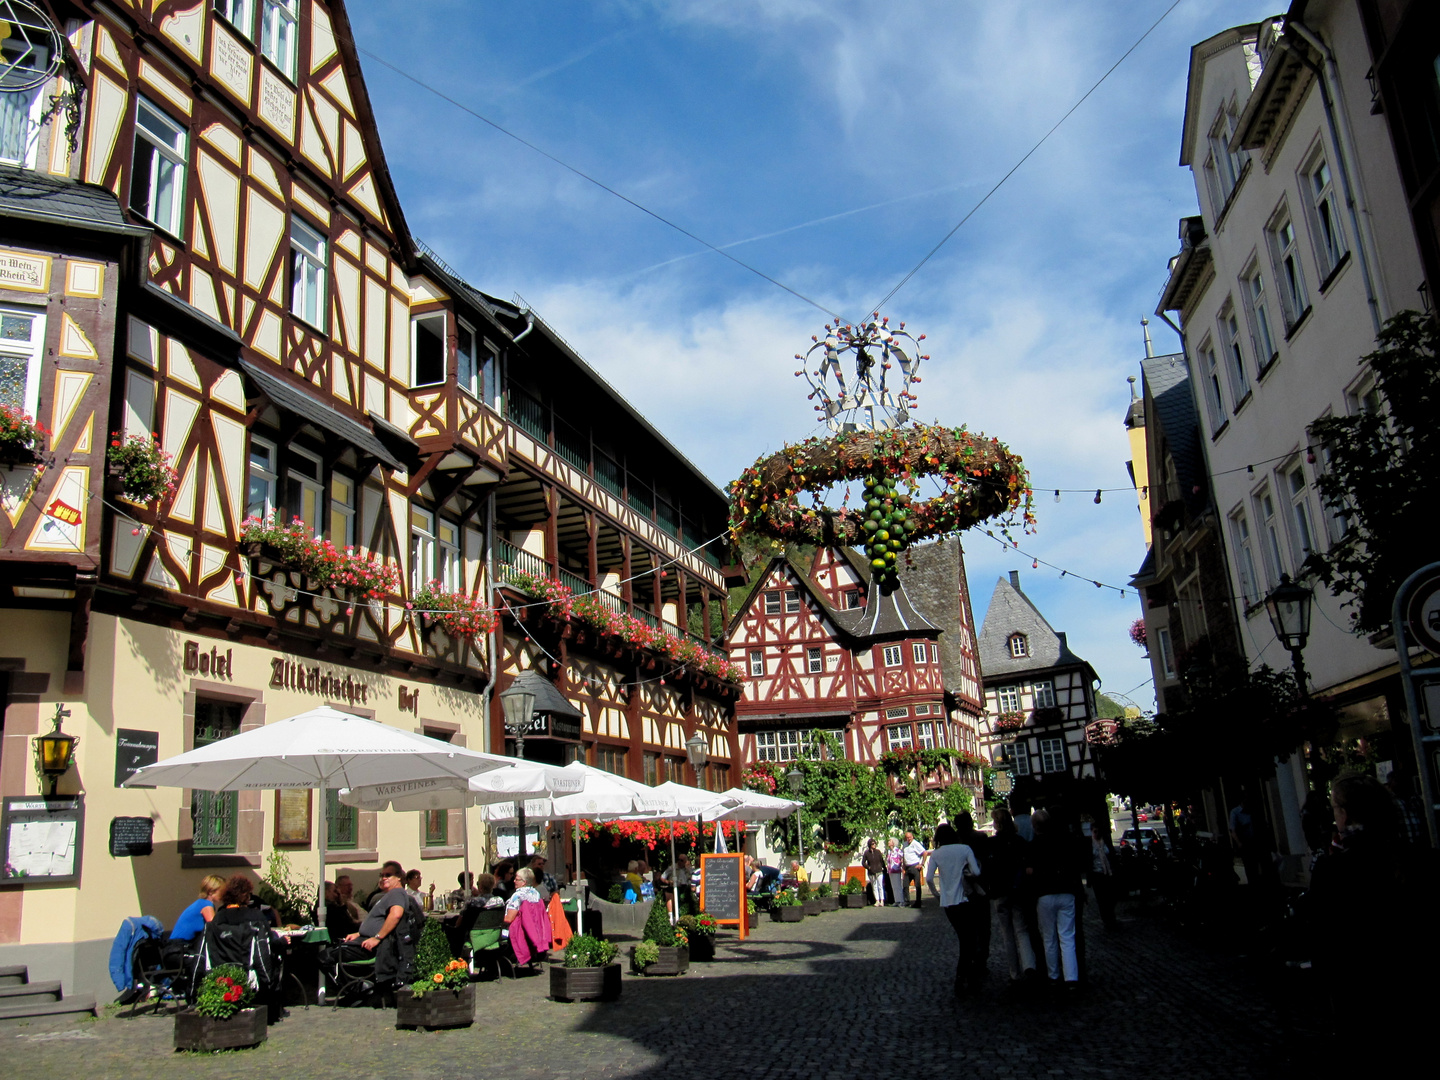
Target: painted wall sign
(133,750)
(290,675)
(28,273)
(131,836)
(214,662)
(410,700)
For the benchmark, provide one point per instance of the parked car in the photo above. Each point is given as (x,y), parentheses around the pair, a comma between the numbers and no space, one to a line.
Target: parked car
(1145,839)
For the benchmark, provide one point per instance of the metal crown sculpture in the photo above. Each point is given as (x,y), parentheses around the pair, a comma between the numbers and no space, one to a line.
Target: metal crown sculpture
(870,403)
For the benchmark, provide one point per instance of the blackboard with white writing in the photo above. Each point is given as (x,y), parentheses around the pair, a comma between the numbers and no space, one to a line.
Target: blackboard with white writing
(131,836)
(134,749)
(722,882)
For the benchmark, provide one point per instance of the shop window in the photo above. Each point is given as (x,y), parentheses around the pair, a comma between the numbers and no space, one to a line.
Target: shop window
(214,815)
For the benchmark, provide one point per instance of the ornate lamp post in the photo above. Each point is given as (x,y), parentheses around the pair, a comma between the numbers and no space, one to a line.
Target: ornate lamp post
(518,703)
(796,779)
(56,750)
(698,753)
(1289,609)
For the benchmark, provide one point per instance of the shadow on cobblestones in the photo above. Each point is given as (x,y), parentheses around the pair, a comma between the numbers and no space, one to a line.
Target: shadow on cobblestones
(795,1000)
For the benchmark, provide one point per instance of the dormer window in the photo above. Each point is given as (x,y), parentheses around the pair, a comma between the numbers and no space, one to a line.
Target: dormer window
(1019,646)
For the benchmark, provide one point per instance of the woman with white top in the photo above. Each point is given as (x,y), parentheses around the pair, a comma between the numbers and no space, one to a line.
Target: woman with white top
(952,860)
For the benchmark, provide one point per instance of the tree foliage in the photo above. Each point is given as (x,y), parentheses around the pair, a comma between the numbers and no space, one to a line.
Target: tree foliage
(1380,472)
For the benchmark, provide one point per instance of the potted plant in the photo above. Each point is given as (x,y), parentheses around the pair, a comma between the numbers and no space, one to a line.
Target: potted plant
(700,931)
(442,995)
(826,897)
(223,1016)
(808,903)
(590,971)
(21,436)
(785,907)
(664,949)
(142,468)
(852,894)
(456,613)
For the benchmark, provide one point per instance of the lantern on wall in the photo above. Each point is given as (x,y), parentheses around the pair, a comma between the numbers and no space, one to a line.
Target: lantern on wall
(55,751)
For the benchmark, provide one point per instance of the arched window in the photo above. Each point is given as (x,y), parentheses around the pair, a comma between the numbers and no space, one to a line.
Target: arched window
(1019,646)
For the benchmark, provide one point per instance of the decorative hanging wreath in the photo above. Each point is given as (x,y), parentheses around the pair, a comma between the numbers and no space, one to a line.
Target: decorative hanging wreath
(980,480)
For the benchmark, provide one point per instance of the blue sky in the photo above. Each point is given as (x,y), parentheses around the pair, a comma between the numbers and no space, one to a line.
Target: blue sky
(748,122)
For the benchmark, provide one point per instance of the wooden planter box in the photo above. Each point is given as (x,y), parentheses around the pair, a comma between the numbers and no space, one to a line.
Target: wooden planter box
(702,948)
(673,961)
(852,900)
(436,1008)
(585,984)
(828,903)
(195,1032)
(811,907)
(793,913)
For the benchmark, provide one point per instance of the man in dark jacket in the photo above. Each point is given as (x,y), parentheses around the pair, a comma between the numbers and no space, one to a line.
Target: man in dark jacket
(1053,874)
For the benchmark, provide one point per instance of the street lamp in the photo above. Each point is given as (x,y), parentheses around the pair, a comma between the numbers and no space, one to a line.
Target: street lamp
(1289,609)
(796,779)
(518,703)
(56,750)
(698,753)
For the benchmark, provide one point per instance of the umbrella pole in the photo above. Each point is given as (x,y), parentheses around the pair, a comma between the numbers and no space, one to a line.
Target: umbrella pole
(465,840)
(320,911)
(579,883)
(674,880)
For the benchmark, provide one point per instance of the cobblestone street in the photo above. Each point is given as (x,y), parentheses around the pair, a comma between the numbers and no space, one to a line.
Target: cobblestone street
(833,995)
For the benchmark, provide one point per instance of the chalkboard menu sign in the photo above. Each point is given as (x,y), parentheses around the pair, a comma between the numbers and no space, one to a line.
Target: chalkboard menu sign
(132,750)
(130,836)
(722,888)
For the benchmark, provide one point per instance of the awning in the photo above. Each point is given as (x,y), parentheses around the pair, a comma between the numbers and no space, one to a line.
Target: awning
(294,400)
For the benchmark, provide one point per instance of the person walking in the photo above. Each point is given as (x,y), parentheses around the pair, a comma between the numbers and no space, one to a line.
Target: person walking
(1102,875)
(1054,874)
(912,854)
(895,871)
(977,889)
(1004,877)
(874,863)
(955,863)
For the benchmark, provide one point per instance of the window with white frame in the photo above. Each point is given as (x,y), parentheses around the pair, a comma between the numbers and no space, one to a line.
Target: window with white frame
(157,174)
(139,416)
(22,344)
(1008,698)
(1302,528)
(922,710)
(490,390)
(427,349)
(279,34)
(777,745)
(1019,645)
(1257,305)
(239,14)
(304,495)
(1269,537)
(342,511)
(898,712)
(893,656)
(1020,757)
(1325,217)
(1234,354)
(1167,652)
(1225,166)
(772,603)
(1286,250)
(814,660)
(308,260)
(918,650)
(1044,694)
(792,602)
(1052,756)
(450,570)
(1210,372)
(934,653)
(466,375)
(852,598)
(24,57)
(757,662)
(925,733)
(899,737)
(1337,524)
(1363,397)
(422,547)
(1244,556)
(262,479)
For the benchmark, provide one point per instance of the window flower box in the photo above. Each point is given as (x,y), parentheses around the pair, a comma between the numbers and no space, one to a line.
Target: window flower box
(674,960)
(585,983)
(436,1008)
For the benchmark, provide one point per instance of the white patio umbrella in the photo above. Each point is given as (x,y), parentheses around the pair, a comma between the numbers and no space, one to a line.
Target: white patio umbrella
(690,802)
(751,806)
(320,749)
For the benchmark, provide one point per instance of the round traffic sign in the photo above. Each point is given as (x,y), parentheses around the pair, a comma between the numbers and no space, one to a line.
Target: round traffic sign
(1422,613)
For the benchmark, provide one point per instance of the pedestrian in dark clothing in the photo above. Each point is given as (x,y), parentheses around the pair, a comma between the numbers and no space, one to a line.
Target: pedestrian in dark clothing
(1053,871)
(1004,875)
(954,862)
(1101,876)
(978,892)
(874,862)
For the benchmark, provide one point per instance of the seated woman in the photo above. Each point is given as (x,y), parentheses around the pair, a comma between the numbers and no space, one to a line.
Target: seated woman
(632,876)
(482,898)
(527,927)
(191,923)
(338,919)
(241,934)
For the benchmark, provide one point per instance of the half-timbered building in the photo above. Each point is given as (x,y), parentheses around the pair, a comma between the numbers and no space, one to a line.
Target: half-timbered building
(203,246)
(823,652)
(1039,696)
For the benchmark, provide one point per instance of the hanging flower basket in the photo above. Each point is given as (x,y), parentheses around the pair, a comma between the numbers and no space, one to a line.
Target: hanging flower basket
(457,613)
(142,469)
(21,437)
(351,571)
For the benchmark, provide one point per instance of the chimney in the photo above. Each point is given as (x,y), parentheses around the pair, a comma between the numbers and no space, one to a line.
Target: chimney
(1149,346)
(1063,644)
(1015,579)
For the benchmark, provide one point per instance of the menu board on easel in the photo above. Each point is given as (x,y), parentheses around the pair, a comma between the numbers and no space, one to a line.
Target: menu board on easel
(722,889)
(41,838)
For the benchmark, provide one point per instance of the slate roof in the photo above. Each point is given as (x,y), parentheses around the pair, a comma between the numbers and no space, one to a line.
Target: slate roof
(297,401)
(885,615)
(1011,611)
(58,200)
(1168,384)
(931,575)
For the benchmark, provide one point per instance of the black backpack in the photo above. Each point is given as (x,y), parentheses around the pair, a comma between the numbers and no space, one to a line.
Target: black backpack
(245,941)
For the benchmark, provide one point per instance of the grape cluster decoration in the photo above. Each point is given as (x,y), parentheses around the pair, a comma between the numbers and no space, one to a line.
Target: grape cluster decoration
(886,509)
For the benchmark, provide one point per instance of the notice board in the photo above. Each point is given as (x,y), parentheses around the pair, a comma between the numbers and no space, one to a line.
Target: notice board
(131,836)
(42,838)
(722,889)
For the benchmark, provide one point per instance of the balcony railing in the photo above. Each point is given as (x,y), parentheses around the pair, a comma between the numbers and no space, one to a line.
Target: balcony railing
(574,582)
(509,558)
(610,600)
(528,413)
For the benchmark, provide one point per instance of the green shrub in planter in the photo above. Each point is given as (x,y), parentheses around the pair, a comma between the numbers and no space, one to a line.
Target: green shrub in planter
(585,950)
(823,889)
(804,891)
(657,926)
(647,952)
(851,887)
(785,898)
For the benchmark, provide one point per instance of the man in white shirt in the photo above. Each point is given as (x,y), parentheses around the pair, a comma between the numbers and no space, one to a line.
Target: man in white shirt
(952,860)
(913,852)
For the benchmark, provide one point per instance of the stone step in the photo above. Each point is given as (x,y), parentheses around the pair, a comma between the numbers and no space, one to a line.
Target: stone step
(80,1003)
(14,974)
(29,993)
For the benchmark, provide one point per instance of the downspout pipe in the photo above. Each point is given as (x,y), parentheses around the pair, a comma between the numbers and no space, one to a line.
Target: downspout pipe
(529,325)
(1343,139)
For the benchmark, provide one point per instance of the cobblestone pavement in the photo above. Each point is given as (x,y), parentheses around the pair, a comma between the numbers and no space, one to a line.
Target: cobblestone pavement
(829,996)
